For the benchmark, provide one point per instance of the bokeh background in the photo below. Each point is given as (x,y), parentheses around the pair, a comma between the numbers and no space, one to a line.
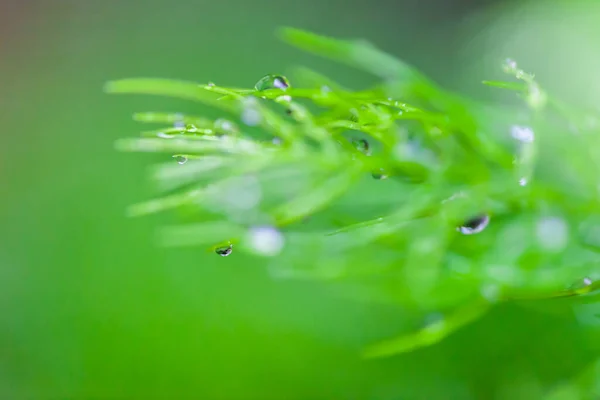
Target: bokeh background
(91,307)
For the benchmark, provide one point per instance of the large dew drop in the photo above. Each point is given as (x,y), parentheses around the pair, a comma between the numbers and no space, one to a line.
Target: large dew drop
(272,82)
(224,251)
(474,225)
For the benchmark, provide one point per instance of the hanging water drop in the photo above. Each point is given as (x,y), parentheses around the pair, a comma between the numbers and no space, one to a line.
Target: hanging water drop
(225,127)
(180,159)
(362,145)
(210,84)
(474,225)
(224,251)
(272,82)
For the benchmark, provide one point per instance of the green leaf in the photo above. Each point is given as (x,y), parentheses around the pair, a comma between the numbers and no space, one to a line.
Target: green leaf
(431,334)
(169,88)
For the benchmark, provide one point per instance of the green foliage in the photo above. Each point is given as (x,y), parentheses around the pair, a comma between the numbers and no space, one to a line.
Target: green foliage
(295,159)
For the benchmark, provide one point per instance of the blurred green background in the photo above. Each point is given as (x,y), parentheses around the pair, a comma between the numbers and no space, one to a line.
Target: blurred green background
(92,308)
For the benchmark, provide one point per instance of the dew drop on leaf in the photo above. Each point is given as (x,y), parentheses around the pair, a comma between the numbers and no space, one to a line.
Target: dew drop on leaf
(225,127)
(362,145)
(224,251)
(380,175)
(581,284)
(272,82)
(191,128)
(474,225)
(180,159)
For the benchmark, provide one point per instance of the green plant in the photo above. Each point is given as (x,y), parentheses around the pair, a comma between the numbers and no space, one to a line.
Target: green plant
(482,203)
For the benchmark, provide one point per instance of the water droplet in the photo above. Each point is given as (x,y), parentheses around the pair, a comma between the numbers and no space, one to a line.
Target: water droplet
(581,284)
(251,115)
(224,251)
(225,127)
(266,240)
(552,233)
(362,145)
(180,159)
(474,225)
(272,82)
(277,141)
(381,174)
(210,84)
(325,89)
(191,128)
(522,133)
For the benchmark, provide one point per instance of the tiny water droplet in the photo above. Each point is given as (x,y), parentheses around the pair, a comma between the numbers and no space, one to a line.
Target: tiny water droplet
(224,251)
(180,159)
(272,82)
(276,141)
(362,145)
(587,281)
(191,128)
(225,127)
(325,89)
(381,174)
(210,84)
(474,225)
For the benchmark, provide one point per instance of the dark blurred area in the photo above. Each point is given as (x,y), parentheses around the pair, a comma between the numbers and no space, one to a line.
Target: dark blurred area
(93,308)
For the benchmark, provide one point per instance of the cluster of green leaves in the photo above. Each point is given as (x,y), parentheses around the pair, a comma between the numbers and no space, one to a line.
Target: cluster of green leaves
(304,159)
